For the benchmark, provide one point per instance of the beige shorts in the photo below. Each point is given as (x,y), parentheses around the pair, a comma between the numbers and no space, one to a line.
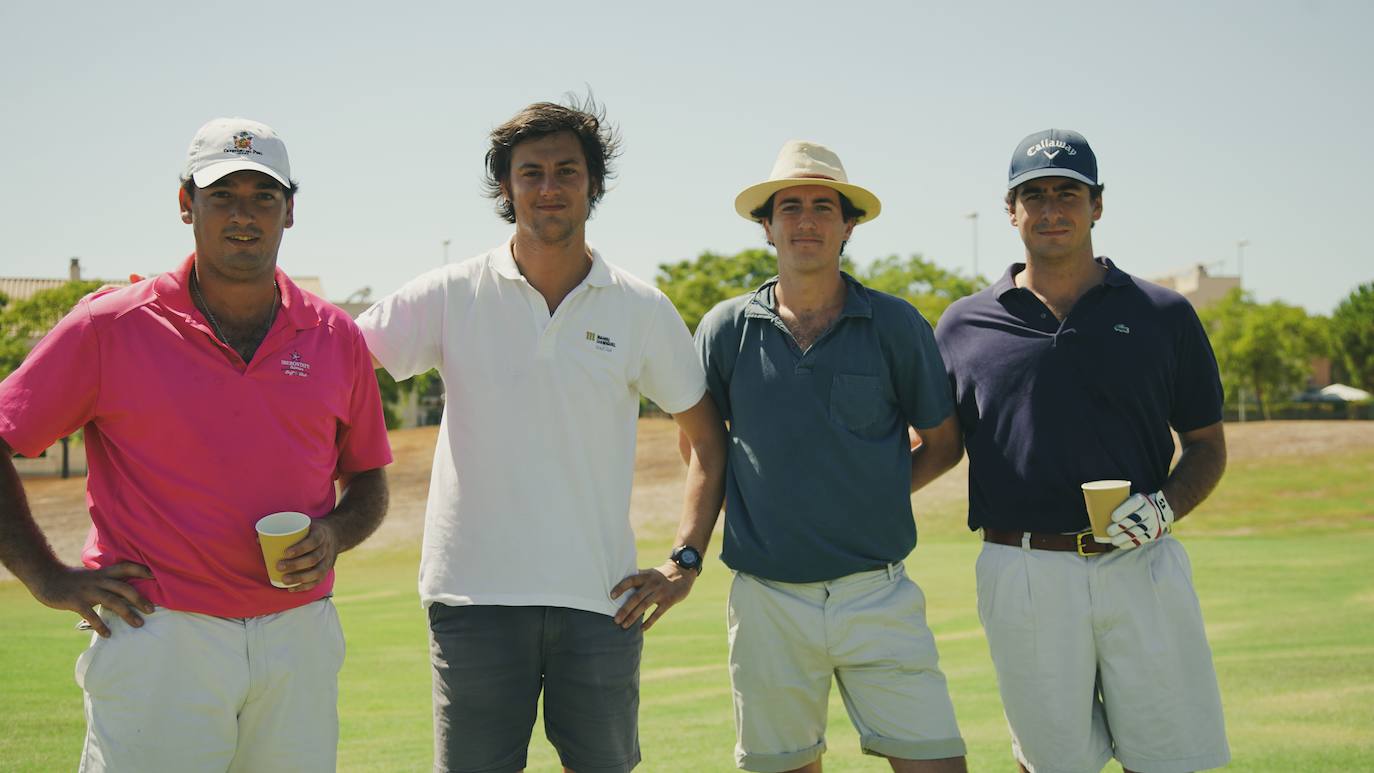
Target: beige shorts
(189,692)
(869,631)
(1102,656)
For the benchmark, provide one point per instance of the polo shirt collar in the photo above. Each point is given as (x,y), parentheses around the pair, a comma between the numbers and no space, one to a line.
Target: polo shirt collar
(856,300)
(503,261)
(173,291)
(1115,276)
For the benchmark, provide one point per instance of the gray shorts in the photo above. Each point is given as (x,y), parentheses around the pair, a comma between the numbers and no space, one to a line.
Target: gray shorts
(490,663)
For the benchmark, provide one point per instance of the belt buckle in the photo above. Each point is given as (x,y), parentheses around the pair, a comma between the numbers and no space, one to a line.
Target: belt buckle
(1082,540)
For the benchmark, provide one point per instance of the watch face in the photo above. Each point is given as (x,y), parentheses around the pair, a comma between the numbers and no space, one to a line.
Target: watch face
(688,557)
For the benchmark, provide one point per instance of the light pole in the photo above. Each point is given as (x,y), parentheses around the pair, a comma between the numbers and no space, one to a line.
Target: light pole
(1240,259)
(446,241)
(972,217)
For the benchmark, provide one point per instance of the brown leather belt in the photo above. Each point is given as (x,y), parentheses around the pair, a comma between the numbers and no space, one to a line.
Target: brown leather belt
(1081,543)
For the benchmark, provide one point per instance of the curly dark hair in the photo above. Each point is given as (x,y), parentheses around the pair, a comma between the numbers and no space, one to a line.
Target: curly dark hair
(586,119)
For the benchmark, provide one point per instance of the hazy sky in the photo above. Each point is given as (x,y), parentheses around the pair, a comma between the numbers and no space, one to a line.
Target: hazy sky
(1213,123)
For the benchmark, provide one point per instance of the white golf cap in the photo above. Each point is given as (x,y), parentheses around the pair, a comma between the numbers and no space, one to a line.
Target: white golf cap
(227,145)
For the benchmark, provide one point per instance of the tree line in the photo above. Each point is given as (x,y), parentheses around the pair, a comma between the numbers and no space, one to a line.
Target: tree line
(1265,350)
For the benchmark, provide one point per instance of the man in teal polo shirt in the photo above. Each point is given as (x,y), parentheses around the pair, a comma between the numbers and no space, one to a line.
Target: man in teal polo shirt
(820,379)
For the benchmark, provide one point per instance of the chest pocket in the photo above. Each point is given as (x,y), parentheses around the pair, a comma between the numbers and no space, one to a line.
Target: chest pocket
(859,404)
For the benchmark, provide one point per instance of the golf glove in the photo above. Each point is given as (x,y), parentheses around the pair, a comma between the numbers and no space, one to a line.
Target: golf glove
(1141,518)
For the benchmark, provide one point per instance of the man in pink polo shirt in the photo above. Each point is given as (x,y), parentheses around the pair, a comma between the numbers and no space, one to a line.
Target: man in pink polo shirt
(210,396)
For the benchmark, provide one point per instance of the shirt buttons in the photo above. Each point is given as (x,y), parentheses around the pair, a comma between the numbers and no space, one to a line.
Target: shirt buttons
(1043,315)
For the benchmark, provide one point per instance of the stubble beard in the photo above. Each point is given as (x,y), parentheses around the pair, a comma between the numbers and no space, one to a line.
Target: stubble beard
(553,230)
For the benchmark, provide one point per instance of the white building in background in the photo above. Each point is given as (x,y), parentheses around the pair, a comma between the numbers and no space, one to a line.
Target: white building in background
(1200,288)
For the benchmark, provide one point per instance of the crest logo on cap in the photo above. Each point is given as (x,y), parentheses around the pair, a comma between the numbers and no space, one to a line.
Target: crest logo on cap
(242,143)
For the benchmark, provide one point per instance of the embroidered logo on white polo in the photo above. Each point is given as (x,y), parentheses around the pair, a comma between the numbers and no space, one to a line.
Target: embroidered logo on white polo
(601,342)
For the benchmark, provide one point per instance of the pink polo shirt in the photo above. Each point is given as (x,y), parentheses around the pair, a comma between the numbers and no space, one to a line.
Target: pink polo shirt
(187,446)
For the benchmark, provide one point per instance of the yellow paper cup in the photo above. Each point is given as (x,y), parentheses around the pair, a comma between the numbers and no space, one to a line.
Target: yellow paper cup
(1102,497)
(276,533)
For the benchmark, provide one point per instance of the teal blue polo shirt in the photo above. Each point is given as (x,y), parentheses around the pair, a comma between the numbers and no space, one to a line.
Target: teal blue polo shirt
(819,475)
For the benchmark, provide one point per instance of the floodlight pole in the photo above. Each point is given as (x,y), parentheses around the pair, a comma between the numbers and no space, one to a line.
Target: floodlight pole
(446,243)
(1240,259)
(972,217)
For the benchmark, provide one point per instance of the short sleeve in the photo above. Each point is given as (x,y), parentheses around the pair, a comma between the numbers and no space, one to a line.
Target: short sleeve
(921,382)
(670,373)
(1197,398)
(54,391)
(363,442)
(712,353)
(404,330)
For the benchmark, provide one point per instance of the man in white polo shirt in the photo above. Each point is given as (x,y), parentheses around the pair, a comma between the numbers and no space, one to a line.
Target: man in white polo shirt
(528,567)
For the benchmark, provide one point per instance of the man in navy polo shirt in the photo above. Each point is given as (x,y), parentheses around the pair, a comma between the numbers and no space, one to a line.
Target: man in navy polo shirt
(820,378)
(1069,370)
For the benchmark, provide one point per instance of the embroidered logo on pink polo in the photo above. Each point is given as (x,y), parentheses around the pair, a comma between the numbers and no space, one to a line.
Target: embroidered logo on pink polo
(295,366)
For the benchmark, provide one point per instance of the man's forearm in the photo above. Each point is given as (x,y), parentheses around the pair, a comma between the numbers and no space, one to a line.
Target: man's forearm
(705,490)
(23,548)
(360,509)
(1198,471)
(941,448)
(704,450)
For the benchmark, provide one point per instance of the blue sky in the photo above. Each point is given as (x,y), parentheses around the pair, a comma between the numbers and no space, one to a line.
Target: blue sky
(1213,123)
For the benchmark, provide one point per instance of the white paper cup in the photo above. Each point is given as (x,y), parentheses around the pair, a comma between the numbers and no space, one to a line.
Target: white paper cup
(276,533)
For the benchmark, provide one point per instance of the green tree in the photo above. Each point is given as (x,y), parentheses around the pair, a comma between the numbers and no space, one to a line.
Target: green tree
(923,284)
(24,322)
(1352,335)
(1264,349)
(694,286)
(394,391)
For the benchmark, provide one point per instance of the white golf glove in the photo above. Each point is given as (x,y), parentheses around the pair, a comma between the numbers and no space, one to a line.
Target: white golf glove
(1141,518)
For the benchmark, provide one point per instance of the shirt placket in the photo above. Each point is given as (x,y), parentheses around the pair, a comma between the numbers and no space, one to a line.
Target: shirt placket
(547,325)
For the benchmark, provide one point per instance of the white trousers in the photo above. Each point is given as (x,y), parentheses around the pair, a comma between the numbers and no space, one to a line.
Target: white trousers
(1102,656)
(193,693)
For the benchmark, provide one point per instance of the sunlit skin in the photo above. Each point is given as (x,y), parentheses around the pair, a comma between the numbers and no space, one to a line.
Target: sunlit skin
(807,229)
(549,189)
(238,222)
(1054,216)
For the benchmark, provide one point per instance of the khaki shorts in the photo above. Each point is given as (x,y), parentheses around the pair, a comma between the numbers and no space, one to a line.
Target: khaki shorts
(869,631)
(1102,656)
(189,692)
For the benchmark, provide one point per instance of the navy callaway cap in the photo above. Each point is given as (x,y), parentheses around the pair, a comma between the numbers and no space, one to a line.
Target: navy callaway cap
(1053,153)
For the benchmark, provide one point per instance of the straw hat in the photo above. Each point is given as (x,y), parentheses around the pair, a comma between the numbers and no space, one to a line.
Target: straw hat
(806,163)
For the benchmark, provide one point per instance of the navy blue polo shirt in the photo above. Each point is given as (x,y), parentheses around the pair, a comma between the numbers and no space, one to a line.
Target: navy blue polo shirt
(1046,405)
(818,484)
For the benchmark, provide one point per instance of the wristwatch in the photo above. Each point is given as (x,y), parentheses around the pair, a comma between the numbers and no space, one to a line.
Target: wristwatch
(687,557)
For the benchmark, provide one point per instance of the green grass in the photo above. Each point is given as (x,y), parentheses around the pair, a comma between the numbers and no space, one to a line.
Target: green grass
(1284,576)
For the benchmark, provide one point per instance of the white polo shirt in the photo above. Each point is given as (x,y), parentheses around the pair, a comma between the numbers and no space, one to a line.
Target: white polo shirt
(529,497)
